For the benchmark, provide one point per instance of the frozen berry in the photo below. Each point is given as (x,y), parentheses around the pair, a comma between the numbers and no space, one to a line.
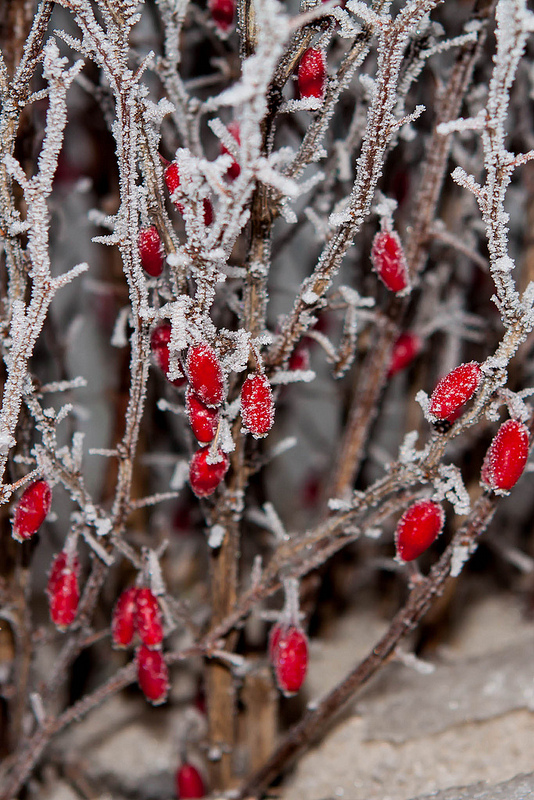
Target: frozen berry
(148,618)
(63,592)
(203,420)
(406,348)
(289,656)
(222,13)
(234,170)
(205,374)
(454,390)
(172,177)
(123,619)
(172,181)
(257,406)
(189,783)
(418,527)
(152,675)
(506,457)
(311,75)
(159,343)
(388,260)
(31,510)
(300,358)
(204,477)
(151,251)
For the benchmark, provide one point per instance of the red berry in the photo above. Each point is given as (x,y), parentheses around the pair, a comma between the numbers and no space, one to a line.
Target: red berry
(222,13)
(189,783)
(208,212)
(31,510)
(204,477)
(58,566)
(148,618)
(123,619)
(205,374)
(406,348)
(257,406)
(388,260)
(159,342)
(63,592)
(300,357)
(152,675)
(151,251)
(455,389)
(204,420)
(171,177)
(234,169)
(418,527)
(312,73)
(289,656)
(507,456)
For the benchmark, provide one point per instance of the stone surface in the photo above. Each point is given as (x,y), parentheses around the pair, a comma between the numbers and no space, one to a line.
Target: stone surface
(467,724)
(520,788)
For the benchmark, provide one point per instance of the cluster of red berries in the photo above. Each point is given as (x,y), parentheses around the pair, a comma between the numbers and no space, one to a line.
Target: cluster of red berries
(205,396)
(503,464)
(62,588)
(288,653)
(137,611)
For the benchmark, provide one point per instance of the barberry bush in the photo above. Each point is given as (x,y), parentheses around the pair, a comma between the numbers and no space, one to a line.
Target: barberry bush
(267,307)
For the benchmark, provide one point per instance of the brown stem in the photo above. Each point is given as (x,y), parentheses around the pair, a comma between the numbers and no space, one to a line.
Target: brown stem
(220,688)
(363,410)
